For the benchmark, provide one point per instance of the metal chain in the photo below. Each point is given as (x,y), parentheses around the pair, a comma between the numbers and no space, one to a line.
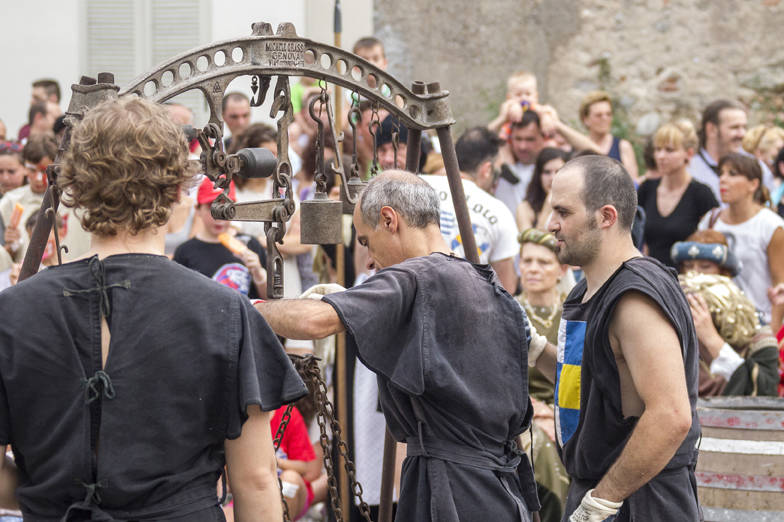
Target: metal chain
(282,177)
(320,175)
(395,139)
(274,232)
(308,369)
(354,119)
(332,483)
(373,127)
(52,172)
(254,89)
(286,514)
(259,85)
(284,422)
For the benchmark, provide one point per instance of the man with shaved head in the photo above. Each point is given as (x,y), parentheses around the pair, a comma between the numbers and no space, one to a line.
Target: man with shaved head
(449,346)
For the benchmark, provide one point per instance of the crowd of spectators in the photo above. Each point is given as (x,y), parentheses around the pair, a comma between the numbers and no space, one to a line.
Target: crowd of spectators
(710,195)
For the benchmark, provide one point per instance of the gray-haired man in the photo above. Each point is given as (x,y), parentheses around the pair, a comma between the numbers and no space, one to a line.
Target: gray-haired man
(449,346)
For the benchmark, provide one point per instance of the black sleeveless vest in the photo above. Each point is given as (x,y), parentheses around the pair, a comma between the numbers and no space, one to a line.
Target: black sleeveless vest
(591,429)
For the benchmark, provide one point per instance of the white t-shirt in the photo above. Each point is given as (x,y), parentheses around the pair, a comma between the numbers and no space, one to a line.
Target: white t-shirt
(513,194)
(749,241)
(369,431)
(76,238)
(30,202)
(493,224)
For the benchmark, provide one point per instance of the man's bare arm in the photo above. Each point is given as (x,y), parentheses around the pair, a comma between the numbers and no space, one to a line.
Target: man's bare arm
(301,318)
(629,161)
(542,354)
(575,138)
(505,271)
(8,482)
(646,342)
(250,461)
(547,362)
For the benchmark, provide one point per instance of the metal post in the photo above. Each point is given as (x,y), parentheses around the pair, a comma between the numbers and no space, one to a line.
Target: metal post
(387,478)
(413,150)
(37,245)
(341,364)
(413,144)
(388,462)
(458,195)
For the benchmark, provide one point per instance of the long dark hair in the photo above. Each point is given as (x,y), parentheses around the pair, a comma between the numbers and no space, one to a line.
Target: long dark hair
(535,194)
(777,164)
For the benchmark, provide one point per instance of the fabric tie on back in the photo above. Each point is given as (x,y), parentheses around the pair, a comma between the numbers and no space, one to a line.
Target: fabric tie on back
(97,270)
(99,383)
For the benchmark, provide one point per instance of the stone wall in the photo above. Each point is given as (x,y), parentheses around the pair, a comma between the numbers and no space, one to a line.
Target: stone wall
(657,58)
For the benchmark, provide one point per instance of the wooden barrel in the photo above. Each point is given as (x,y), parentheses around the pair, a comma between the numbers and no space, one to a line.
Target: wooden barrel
(740,470)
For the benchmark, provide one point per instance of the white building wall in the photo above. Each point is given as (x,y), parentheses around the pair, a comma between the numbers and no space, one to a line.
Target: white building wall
(43,38)
(38,39)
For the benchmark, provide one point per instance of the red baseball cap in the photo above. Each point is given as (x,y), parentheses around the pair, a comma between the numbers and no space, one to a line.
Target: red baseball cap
(208,192)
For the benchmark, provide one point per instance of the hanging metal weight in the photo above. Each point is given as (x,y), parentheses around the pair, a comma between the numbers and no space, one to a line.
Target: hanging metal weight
(320,221)
(320,217)
(354,186)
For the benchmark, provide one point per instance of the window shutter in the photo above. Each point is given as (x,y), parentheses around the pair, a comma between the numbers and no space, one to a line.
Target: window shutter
(176,28)
(130,37)
(110,39)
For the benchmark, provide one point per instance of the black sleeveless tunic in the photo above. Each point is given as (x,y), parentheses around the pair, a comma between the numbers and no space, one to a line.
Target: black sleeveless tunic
(450,348)
(590,426)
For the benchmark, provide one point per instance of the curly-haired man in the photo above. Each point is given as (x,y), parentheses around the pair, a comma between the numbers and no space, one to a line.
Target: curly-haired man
(128,382)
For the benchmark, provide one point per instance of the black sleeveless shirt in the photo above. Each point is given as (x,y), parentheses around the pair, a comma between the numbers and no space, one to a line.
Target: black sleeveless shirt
(590,426)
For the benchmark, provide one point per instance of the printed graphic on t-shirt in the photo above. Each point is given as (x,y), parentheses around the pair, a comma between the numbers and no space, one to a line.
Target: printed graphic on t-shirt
(450,229)
(571,340)
(234,275)
(494,228)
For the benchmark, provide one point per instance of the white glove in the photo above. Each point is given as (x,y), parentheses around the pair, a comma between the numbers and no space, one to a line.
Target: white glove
(318,291)
(537,344)
(594,509)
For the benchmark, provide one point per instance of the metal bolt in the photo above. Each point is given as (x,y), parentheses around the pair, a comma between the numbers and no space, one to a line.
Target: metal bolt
(105,77)
(86,80)
(433,88)
(418,87)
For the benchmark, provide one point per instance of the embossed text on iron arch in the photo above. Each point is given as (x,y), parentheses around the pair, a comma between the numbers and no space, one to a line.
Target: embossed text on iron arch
(285,54)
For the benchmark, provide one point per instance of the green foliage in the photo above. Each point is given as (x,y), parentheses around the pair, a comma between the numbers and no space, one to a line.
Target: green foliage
(622,125)
(769,104)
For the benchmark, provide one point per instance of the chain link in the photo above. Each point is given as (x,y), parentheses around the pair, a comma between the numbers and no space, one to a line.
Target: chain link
(395,139)
(274,232)
(374,126)
(354,119)
(320,176)
(284,422)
